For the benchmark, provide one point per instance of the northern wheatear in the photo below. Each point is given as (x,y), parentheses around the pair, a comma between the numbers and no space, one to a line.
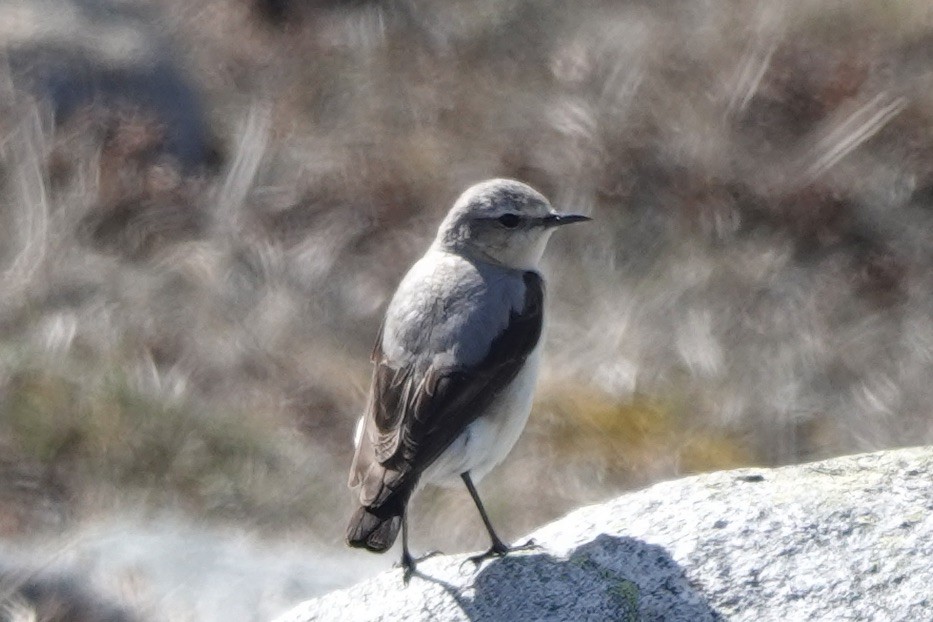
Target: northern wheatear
(456,361)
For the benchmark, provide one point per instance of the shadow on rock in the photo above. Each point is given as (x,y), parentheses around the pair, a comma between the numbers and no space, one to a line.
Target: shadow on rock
(609,578)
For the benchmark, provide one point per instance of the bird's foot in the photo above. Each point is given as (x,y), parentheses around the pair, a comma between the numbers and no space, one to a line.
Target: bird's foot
(409,563)
(500,549)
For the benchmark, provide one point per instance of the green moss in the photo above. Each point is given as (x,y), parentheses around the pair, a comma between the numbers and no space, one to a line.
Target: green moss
(627,592)
(37,416)
(624,593)
(107,436)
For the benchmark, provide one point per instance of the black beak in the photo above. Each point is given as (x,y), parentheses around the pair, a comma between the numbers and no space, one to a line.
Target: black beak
(555,220)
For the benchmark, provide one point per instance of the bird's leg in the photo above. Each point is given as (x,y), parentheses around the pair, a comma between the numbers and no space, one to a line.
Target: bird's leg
(408,562)
(498,548)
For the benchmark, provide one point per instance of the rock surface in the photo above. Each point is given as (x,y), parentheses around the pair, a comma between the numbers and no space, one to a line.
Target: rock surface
(845,539)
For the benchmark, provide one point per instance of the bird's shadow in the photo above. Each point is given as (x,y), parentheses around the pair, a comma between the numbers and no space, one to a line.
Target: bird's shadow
(611,578)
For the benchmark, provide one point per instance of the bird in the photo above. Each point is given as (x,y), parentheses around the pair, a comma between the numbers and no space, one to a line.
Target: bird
(456,360)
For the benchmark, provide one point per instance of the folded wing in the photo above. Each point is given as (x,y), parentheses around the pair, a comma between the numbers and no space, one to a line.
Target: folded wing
(415,414)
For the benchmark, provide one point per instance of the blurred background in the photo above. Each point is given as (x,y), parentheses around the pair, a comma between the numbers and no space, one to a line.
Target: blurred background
(204,207)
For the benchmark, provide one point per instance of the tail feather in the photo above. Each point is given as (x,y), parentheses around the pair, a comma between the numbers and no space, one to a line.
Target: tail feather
(375,529)
(383,494)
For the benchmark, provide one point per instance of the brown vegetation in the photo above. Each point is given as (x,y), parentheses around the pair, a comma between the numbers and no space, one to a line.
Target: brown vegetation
(758,287)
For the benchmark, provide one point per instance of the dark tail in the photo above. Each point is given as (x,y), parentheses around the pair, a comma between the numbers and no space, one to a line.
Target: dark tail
(383,495)
(375,528)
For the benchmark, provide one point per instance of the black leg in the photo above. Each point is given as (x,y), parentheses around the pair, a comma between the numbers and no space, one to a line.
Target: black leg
(498,548)
(408,562)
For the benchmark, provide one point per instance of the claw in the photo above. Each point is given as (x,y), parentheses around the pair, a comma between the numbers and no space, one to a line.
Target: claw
(409,564)
(499,549)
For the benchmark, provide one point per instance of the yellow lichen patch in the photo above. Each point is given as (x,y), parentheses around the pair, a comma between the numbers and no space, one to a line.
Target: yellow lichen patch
(713,450)
(586,413)
(631,438)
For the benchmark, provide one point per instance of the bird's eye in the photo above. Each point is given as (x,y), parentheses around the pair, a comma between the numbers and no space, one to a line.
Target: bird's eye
(509,221)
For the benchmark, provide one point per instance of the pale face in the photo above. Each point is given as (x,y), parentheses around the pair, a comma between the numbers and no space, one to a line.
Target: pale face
(502,221)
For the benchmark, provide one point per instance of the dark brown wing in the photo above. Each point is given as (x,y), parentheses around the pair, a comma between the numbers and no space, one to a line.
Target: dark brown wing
(417,416)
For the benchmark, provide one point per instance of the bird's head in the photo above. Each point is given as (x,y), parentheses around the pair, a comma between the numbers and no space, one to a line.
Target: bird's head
(502,221)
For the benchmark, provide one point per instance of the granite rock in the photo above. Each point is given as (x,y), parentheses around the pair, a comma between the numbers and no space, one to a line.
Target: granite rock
(845,539)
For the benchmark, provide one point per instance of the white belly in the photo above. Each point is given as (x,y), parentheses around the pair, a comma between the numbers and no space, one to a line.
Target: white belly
(489,439)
